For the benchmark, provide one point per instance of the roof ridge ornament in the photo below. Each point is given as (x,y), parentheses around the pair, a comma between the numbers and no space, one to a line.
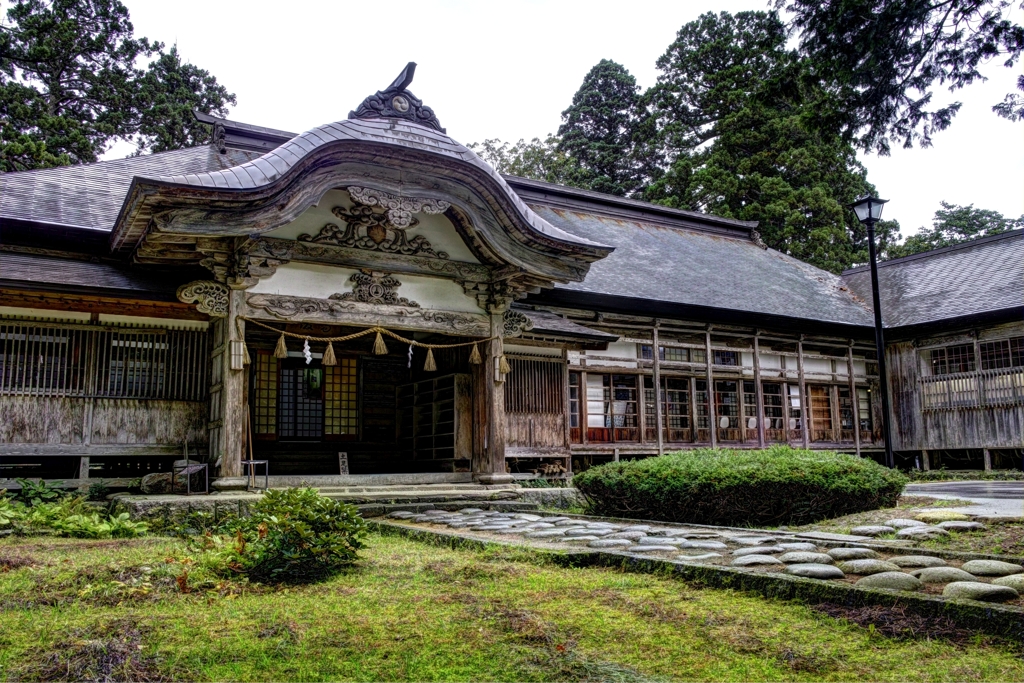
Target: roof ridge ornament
(395,102)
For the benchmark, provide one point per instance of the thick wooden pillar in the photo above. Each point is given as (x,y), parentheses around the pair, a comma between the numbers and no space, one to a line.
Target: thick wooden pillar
(758,393)
(491,464)
(709,357)
(854,399)
(233,409)
(805,409)
(659,418)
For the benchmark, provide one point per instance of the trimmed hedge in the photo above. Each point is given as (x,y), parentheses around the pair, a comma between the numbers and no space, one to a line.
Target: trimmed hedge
(778,485)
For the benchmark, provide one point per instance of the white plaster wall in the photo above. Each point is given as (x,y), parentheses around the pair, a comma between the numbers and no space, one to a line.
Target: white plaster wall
(619,350)
(770,361)
(320,281)
(437,229)
(817,366)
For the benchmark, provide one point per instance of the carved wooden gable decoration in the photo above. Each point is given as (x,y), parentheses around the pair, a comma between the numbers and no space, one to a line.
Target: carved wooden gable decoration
(397,169)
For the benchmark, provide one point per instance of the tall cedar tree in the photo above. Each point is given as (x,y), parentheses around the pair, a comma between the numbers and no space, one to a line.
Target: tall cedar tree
(883,57)
(70,85)
(954,224)
(597,131)
(731,114)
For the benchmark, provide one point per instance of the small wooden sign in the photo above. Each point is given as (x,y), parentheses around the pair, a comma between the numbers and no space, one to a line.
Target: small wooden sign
(342,463)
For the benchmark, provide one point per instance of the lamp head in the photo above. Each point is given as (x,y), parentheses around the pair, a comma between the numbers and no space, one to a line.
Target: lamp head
(868,208)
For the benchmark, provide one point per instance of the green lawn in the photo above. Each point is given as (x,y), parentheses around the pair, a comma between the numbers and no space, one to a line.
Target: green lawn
(410,611)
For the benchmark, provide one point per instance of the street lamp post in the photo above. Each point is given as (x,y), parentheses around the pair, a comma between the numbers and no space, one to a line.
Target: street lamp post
(869,211)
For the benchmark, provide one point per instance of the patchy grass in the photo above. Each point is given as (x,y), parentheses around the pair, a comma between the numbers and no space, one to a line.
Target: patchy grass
(130,610)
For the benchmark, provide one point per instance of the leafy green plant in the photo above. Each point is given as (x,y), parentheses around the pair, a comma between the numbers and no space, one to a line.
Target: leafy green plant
(9,510)
(36,491)
(778,485)
(72,517)
(98,491)
(296,536)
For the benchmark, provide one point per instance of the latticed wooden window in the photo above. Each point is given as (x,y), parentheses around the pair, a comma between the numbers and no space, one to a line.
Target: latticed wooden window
(952,359)
(535,386)
(341,398)
(1005,353)
(265,395)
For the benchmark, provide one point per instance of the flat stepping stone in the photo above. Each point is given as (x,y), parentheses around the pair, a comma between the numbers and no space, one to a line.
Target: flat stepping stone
(514,530)
(579,539)
(699,534)
(873,531)
(629,535)
(992,568)
(805,547)
(637,527)
(892,580)
(754,560)
(703,545)
(492,527)
(587,532)
(660,533)
(803,557)
(903,523)
(752,540)
(838,538)
(569,522)
(556,520)
(759,550)
(842,554)
(470,511)
(917,561)
(814,570)
(921,532)
(867,567)
(1016,582)
(401,514)
(539,525)
(975,590)
(705,557)
(528,517)
(942,575)
(611,543)
(457,525)
(653,548)
(961,526)
(932,516)
(546,533)
(475,523)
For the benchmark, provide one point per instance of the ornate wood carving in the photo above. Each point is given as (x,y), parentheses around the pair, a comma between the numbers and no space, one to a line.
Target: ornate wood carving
(398,103)
(337,312)
(515,323)
(755,237)
(208,296)
(400,209)
(372,287)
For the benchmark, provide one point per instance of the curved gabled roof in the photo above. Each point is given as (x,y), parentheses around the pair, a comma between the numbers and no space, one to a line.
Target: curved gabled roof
(264,171)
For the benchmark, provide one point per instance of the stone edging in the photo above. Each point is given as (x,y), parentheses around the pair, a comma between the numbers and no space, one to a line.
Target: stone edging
(998,620)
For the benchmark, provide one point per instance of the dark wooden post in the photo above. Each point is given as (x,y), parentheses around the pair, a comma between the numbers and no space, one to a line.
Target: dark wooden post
(854,399)
(805,409)
(709,359)
(493,461)
(659,419)
(758,392)
(234,401)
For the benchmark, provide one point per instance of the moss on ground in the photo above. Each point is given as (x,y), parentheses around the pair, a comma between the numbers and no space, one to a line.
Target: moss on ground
(139,610)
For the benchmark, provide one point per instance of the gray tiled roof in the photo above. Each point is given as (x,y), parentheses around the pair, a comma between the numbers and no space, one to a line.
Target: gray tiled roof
(85,274)
(654,262)
(970,278)
(90,195)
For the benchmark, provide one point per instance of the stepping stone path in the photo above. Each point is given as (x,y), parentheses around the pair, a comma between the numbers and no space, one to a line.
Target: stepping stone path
(867,567)
(916,561)
(799,557)
(806,547)
(961,526)
(921,532)
(751,560)
(992,568)
(1016,582)
(815,571)
(706,557)
(989,580)
(901,523)
(974,590)
(759,550)
(892,580)
(942,575)
(941,516)
(840,554)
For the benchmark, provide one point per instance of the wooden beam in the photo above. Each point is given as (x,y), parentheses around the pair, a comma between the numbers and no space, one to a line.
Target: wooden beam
(61,301)
(805,411)
(758,393)
(709,361)
(659,418)
(46,450)
(854,399)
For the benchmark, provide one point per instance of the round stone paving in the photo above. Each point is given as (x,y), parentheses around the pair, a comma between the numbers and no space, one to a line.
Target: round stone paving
(867,567)
(802,557)
(991,568)
(814,570)
(852,553)
(942,575)
(917,561)
(753,560)
(892,580)
(973,590)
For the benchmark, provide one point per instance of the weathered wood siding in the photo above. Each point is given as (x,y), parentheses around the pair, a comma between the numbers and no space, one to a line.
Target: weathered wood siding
(964,427)
(149,422)
(536,430)
(42,419)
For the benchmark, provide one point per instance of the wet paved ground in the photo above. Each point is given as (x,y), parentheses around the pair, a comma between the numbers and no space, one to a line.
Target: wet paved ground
(989,497)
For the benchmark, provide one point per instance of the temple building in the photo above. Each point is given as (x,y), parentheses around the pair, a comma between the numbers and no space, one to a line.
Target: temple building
(370,297)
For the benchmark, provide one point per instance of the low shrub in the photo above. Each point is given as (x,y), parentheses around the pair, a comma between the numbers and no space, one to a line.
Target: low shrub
(297,536)
(778,485)
(68,516)
(965,475)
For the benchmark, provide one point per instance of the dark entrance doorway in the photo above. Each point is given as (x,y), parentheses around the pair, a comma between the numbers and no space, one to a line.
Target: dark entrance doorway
(304,414)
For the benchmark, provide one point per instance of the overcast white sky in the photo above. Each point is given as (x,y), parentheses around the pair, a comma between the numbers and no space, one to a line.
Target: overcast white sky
(507,69)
